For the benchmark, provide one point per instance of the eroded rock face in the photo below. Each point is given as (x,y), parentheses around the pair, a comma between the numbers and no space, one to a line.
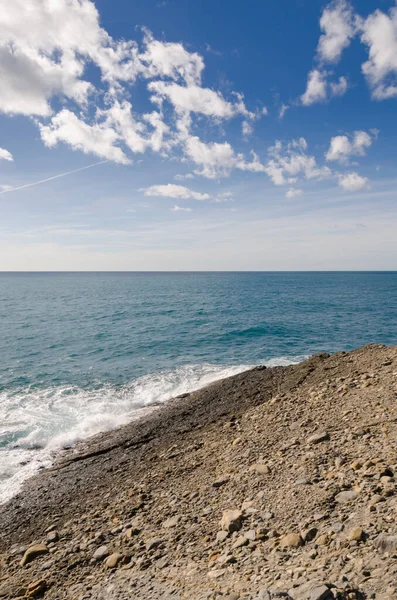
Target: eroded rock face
(176,511)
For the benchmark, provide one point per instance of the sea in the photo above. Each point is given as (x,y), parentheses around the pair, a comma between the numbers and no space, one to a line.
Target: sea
(82,353)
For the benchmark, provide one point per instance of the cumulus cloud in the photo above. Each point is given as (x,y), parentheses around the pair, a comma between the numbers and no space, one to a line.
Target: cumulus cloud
(320,89)
(47,50)
(291,161)
(5,155)
(293,193)
(171,190)
(216,160)
(196,99)
(352,182)
(338,23)
(379,33)
(99,139)
(343,147)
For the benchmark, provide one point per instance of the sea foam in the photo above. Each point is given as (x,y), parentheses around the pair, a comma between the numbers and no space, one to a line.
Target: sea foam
(37,423)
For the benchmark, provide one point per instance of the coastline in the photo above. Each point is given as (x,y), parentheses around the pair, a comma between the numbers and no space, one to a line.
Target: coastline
(133,477)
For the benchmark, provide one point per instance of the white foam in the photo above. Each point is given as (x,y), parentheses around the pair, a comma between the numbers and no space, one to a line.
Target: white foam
(34,424)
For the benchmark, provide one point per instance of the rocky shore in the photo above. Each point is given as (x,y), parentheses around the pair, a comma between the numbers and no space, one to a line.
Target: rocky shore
(275,483)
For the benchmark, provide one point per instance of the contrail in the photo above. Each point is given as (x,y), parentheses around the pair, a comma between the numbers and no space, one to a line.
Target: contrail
(22,187)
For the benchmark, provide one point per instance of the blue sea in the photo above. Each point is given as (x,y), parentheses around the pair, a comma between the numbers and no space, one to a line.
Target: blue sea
(82,353)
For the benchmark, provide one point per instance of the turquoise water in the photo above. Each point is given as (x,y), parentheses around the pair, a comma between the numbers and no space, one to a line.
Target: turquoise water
(85,352)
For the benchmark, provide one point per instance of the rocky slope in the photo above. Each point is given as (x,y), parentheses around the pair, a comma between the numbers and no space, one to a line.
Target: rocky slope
(276,483)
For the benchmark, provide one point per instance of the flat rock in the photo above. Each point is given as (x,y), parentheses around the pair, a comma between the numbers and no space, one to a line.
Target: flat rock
(171,522)
(100,553)
(312,590)
(386,543)
(317,438)
(345,497)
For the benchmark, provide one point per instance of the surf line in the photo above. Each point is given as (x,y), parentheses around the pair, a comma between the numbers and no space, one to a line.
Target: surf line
(27,185)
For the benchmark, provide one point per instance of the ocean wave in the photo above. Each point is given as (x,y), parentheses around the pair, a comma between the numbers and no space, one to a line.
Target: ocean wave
(36,423)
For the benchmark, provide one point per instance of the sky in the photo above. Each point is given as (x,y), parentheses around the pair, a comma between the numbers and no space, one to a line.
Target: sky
(198,135)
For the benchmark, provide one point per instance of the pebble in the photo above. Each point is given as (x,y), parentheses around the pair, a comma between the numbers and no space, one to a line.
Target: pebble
(355,534)
(171,522)
(100,553)
(113,560)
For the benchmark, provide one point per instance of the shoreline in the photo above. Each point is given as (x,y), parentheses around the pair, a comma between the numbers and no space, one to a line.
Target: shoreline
(182,456)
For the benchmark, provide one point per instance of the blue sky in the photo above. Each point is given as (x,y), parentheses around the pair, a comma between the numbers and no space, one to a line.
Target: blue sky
(167,135)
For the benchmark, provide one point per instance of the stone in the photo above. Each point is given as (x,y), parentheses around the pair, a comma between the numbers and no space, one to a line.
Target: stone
(376,498)
(231,520)
(216,573)
(386,543)
(251,535)
(113,560)
(171,522)
(355,534)
(240,542)
(219,482)
(32,553)
(36,588)
(260,468)
(317,438)
(291,540)
(100,553)
(221,536)
(323,539)
(52,537)
(345,497)
(309,534)
(153,543)
(312,590)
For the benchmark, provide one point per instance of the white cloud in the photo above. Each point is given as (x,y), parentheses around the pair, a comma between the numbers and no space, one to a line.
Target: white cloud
(181,177)
(338,24)
(246,128)
(338,88)
(342,147)
(319,89)
(99,139)
(224,197)
(379,33)
(196,99)
(171,190)
(283,110)
(290,162)
(165,59)
(316,90)
(293,193)
(177,208)
(218,160)
(352,182)
(5,155)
